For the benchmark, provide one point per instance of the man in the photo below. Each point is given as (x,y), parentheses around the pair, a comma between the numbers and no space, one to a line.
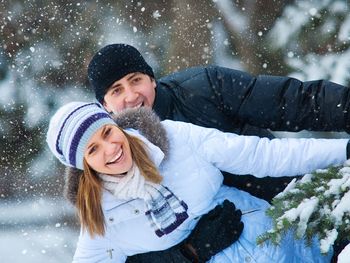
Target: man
(222,98)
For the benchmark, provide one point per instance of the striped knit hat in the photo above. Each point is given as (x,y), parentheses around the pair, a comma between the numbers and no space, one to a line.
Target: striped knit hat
(71,128)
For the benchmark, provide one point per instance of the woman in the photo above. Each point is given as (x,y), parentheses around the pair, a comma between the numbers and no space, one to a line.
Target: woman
(145,189)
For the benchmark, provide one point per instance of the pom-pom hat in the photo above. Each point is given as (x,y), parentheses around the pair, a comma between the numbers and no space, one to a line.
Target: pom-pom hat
(70,129)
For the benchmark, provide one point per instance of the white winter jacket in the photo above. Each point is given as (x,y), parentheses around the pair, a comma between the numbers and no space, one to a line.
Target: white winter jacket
(192,172)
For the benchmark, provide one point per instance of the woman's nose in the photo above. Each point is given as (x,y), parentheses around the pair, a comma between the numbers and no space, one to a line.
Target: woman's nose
(109,148)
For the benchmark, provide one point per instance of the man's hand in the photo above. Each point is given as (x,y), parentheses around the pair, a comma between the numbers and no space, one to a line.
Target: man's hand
(215,231)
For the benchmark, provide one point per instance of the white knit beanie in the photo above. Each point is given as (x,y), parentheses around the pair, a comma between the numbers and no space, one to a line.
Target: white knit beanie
(70,129)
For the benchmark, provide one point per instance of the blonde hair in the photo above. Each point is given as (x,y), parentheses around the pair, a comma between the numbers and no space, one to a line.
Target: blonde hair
(90,187)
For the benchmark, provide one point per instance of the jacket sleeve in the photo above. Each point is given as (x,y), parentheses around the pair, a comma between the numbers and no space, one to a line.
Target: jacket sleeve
(262,156)
(281,103)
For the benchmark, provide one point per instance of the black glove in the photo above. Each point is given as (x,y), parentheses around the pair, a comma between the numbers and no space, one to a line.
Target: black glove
(215,231)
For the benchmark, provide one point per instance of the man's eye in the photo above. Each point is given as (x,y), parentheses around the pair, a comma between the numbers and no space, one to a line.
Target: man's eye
(116,91)
(138,79)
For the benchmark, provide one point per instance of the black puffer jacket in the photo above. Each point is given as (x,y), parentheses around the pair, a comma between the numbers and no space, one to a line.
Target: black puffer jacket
(235,101)
(232,100)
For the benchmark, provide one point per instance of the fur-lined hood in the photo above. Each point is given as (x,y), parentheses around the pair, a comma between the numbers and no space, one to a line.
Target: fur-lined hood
(145,121)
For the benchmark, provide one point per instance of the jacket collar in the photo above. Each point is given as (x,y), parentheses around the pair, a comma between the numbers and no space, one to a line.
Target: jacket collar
(142,123)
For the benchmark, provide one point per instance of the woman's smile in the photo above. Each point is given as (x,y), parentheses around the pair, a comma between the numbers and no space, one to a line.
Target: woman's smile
(117,158)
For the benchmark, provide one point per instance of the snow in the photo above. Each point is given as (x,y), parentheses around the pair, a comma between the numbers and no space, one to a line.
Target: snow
(335,185)
(43,245)
(7,89)
(156,14)
(342,207)
(36,211)
(288,188)
(326,243)
(236,19)
(335,66)
(221,50)
(333,207)
(306,211)
(289,24)
(347,163)
(346,169)
(303,212)
(306,178)
(37,231)
(339,7)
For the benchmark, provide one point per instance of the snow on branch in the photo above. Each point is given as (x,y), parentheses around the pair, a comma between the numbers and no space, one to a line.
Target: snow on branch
(234,18)
(318,205)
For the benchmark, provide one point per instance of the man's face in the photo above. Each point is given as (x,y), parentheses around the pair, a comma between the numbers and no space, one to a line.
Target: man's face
(132,91)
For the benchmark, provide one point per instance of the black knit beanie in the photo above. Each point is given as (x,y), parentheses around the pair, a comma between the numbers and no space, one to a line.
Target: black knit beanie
(113,62)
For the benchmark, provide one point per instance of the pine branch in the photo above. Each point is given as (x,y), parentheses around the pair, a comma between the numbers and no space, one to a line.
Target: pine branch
(317,205)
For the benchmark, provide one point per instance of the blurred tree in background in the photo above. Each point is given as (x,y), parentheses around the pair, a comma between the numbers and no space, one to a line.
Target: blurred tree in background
(46,47)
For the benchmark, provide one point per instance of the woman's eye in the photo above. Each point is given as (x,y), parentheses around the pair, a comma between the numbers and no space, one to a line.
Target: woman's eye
(92,150)
(107,132)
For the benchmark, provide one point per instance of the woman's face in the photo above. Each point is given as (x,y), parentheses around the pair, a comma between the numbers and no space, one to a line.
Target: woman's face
(108,151)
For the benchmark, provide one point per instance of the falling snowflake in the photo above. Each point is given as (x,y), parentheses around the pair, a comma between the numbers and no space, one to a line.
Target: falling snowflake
(156,14)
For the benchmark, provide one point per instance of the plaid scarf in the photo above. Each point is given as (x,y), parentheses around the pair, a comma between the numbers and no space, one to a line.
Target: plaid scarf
(165,212)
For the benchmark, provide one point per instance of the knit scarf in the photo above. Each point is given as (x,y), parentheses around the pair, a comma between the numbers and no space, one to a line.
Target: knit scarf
(165,212)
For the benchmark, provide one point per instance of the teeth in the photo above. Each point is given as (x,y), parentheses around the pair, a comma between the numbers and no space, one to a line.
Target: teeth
(116,157)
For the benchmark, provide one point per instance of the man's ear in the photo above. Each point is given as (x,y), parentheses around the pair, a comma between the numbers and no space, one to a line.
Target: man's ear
(153,82)
(106,106)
